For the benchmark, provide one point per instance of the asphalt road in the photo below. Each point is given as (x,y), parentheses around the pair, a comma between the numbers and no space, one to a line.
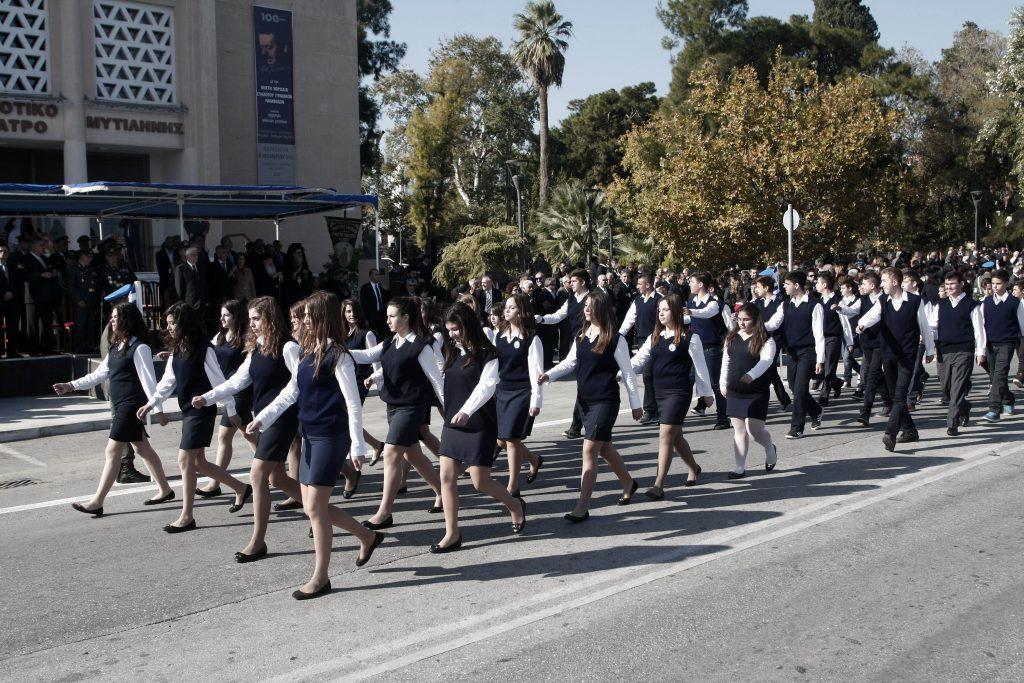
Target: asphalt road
(846,563)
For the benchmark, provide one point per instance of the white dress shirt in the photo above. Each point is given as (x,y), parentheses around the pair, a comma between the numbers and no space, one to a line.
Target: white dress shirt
(242,379)
(427,359)
(977,322)
(345,374)
(143,360)
(621,358)
(874,316)
(764,361)
(213,374)
(696,349)
(817,323)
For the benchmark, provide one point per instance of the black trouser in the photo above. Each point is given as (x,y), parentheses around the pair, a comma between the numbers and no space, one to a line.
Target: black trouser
(650,403)
(548,340)
(999,357)
(829,379)
(41,327)
(800,369)
(776,381)
(713,358)
(917,381)
(873,382)
(850,365)
(1020,359)
(86,330)
(955,377)
(898,373)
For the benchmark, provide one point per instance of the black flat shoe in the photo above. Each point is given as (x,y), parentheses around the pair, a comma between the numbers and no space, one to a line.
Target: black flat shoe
(627,499)
(161,499)
(346,494)
(98,512)
(404,489)
(322,590)
(378,538)
(374,526)
(434,509)
(655,493)
(311,532)
(693,482)
(737,475)
(208,494)
(242,558)
(576,520)
(378,454)
(516,494)
(171,529)
(769,466)
(439,549)
(245,497)
(517,528)
(889,443)
(533,475)
(293,505)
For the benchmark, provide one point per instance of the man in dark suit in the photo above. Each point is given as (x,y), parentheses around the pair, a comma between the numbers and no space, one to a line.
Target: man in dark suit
(190,283)
(374,300)
(219,279)
(542,300)
(43,288)
(166,261)
(486,296)
(9,305)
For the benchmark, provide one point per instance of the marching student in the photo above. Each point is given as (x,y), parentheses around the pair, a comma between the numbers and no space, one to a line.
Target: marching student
(1003,317)
(323,387)
(571,311)
(192,369)
(128,367)
(707,320)
(848,297)
(597,355)
(902,321)
(268,367)
(518,396)
(229,345)
(470,421)
(766,301)
(408,378)
(912,283)
(959,342)
(802,323)
(835,337)
(358,335)
(872,380)
(674,356)
(643,313)
(749,352)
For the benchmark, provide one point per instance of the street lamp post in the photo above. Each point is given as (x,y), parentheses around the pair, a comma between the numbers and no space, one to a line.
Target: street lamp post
(976,198)
(591,198)
(517,181)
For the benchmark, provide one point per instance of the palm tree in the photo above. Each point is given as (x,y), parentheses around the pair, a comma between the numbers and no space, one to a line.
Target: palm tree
(540,53)
(560,229)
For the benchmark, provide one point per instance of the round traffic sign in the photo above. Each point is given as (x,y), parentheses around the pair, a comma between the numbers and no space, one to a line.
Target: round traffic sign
(791,219)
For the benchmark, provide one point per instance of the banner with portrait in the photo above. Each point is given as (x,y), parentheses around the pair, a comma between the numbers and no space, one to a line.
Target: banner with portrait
(275,113)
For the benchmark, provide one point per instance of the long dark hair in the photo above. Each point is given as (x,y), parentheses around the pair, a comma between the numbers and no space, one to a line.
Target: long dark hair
(297,310)
(129,324)
(410,306)
(324,313)
(602,316)
(189,337)
(675,309)
(527,323)
(474,341)
(239,315)
(759,337)
(357,311)
(273,326)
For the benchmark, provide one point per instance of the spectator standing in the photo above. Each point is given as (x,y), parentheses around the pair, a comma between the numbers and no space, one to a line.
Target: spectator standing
(374,300)
(83,287)
(244,284)
(297,281)
(9,304)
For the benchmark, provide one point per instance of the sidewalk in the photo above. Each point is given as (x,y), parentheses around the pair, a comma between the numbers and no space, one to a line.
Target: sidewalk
(32,417)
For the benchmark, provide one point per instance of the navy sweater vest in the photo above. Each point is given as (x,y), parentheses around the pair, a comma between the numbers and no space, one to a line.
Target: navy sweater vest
(459,383)
(900,333)
(125,387)
(190,376)
(595,372)
(797,323)
(513,362)
(269,376)
(1001,326)
(646,314)
(404,384)
(710,330)
(671,365)
(322,409)
(955,331)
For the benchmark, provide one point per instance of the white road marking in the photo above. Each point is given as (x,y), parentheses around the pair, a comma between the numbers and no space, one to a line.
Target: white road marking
(551,603)
(7,450)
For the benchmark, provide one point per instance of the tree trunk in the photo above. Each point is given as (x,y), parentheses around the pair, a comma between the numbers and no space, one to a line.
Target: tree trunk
(542,172)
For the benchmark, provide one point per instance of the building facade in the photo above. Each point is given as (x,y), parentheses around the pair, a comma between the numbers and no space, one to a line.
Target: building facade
(230,92)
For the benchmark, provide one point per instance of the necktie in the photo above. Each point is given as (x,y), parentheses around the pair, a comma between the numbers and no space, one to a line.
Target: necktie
(376,292)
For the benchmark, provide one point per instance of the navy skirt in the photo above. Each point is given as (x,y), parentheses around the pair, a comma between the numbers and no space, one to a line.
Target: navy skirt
(124,426)
(471,448)
(322,458)
(743,405)
(514,421)
(276,439)
(672,408)
(404,424)
(243,406)
(197,427)
(598,419)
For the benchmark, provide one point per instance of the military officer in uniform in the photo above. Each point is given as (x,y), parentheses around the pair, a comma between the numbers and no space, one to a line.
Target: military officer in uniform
(83,286)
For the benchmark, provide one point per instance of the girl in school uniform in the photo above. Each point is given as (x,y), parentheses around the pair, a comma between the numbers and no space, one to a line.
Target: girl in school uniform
(674,351)
(267,369)
(470,422)
(192,369)
(323,387)
(748,353)
(128,367)
(296,314)
(598,354)
(519,396)
(409,378)
(229,345)
(358,336)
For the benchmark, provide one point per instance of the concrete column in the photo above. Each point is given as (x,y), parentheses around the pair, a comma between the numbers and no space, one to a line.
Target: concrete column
(73,61)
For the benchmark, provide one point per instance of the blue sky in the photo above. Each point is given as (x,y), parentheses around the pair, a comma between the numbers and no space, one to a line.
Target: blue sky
(618,42)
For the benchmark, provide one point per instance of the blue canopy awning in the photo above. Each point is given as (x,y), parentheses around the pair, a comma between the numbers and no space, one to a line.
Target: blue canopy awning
(169,201)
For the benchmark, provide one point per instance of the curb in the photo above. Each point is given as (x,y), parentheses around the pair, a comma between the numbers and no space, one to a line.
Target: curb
(28,433)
